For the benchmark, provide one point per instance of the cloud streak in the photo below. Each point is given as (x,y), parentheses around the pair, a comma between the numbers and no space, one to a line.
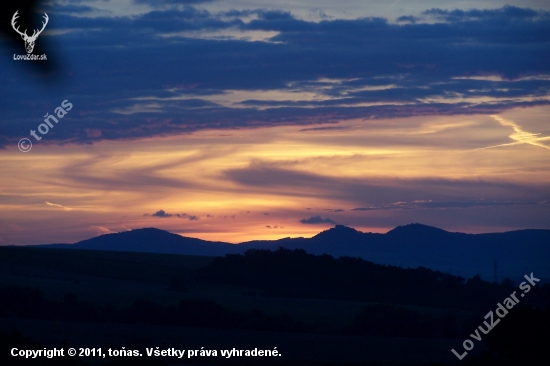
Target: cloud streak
(520,136)
(57,205)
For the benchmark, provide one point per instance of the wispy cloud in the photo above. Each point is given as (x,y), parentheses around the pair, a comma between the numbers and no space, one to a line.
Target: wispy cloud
(520,136)
(60,206)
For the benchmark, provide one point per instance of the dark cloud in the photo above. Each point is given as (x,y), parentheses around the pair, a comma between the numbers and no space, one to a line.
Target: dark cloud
(323,128)
(128,79)
(317,220)
(161,3)
(275,15)
(163,214)
(409,19)
(444,204)
(387,193)
(160,213)
(186,216)
(507,13)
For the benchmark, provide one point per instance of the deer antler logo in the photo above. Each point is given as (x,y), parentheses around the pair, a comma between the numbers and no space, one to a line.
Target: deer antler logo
(29,41)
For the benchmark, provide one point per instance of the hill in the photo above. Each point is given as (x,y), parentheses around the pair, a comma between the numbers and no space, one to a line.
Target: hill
(150,240)
(516,252)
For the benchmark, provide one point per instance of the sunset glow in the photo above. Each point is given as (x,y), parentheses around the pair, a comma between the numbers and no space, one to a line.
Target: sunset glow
(253,123)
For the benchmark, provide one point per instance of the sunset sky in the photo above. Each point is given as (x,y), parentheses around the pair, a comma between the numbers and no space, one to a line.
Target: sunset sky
(236,120)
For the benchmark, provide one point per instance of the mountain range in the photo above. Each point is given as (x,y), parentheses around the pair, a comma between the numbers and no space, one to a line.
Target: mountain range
(516,252)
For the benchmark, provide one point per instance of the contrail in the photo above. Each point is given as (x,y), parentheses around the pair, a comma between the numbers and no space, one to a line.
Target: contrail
(520,136)
(56,205)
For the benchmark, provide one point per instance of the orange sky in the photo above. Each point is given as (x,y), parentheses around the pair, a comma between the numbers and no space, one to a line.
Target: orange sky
(259,183)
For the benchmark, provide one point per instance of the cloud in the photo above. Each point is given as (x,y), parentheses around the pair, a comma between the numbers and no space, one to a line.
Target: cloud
(163,214)
(405,18)
(363,68)
(161,3)
(160,213)
(385,192)
(189,217)
(520,136)
(323,128)
(419,204)
(317,220)
(507,13)
(275,15)
(57,205)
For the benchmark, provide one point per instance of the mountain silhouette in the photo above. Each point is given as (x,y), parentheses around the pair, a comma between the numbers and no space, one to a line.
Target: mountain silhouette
(150,240)
(414,245)
(418,230)
(339,232)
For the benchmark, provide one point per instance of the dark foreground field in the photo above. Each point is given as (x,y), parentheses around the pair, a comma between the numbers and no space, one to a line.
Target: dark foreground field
(315,310)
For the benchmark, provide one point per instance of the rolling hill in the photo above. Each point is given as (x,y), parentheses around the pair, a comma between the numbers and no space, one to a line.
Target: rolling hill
(516,252)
